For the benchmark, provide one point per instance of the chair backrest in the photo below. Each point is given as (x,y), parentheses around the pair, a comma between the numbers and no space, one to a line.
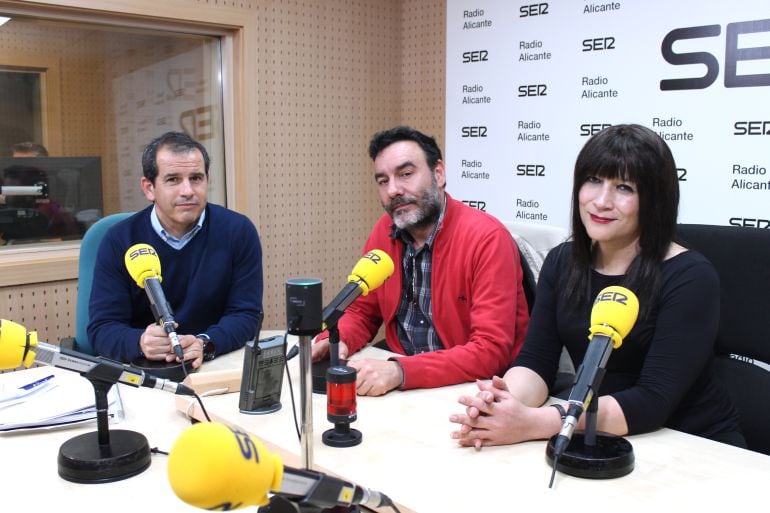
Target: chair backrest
(534,242)
(88,251)
(742,351)
(529,270)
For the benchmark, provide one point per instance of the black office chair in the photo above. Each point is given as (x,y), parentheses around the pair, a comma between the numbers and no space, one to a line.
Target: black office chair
(528,279)
(531,262)
(742,352)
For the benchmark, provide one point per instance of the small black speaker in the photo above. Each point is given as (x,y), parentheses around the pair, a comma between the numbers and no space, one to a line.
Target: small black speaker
(262,379)
(304,306)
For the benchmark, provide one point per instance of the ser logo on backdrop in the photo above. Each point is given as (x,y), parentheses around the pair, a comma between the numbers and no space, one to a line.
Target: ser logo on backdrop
(589,129)
(751,128)
(530,170)
(750,222)
(733,55)
(538,9)
(533,90)
(597,44)
(474,131)
(479,204)
(475,56)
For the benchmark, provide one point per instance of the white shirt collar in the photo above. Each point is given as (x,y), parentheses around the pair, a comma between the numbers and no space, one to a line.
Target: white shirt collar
(170,239)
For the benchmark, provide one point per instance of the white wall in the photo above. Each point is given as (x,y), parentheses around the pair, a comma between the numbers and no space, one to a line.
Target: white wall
(539,77)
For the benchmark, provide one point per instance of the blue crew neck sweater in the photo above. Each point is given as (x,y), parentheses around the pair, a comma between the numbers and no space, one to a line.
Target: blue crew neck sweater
(213,284)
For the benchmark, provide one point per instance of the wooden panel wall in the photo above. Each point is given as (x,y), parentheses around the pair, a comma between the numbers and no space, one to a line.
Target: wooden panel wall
(329,79)
(330,74)
(423,66)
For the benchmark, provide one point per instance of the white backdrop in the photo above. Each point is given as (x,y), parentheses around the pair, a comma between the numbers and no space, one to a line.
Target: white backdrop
(173,94)
(528,82)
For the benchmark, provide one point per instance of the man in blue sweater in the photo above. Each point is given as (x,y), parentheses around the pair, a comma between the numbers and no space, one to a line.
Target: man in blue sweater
(211,262)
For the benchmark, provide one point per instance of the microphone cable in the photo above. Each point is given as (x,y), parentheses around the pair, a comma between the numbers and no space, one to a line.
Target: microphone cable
(203,409)
(553,471)
(294,351)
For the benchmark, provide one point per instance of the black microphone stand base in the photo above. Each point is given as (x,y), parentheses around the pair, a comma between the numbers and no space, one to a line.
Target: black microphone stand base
(83,459)
(280,504)
(342,436)
(174,371)
(612,456)
(103,456)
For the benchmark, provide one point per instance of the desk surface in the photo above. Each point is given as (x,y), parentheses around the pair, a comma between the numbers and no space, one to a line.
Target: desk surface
(406,453)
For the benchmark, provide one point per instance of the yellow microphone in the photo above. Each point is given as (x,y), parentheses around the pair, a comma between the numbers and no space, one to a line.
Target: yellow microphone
(19,347)
(142,262)
(613,315)
(216,467)
(370,272)
(143,266)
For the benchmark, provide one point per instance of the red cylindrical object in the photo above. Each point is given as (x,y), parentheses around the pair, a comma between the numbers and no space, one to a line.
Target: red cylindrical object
(341,394)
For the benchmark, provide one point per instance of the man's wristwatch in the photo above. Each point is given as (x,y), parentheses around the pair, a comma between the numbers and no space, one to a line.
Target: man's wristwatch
(208,346)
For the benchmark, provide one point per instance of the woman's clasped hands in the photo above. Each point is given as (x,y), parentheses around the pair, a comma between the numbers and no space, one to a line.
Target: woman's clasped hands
(492,417)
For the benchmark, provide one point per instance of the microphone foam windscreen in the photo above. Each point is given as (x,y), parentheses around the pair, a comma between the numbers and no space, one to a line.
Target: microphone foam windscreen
(142,262)
(16,345)
(214,467)
(617,307)
(372,270)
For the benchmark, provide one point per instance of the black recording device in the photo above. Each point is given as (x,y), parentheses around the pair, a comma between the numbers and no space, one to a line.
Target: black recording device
(262,380)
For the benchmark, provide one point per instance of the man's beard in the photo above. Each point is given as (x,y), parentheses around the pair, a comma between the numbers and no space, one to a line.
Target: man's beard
(427,212)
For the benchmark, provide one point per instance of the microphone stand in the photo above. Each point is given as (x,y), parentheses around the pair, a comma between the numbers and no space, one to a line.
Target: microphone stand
(589,436)
(279,504)
(103,456)
(303,314)
(306,400)
(334,346)
(594,454)
(303,318)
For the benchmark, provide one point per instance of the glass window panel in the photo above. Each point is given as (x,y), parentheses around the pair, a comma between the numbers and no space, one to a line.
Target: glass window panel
(20,115)
(94,96)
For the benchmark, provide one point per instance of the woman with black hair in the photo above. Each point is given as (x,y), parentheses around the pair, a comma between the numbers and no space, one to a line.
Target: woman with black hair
(625,201)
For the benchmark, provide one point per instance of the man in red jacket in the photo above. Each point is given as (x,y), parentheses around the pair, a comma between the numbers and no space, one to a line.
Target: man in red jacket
(454,307)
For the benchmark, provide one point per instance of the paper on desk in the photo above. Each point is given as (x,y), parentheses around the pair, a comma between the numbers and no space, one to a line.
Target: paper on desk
(69,399)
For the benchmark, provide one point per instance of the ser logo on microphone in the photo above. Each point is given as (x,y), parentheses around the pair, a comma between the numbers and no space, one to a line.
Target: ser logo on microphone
(374,257)
(246,445)
(611,295)
(145,250)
